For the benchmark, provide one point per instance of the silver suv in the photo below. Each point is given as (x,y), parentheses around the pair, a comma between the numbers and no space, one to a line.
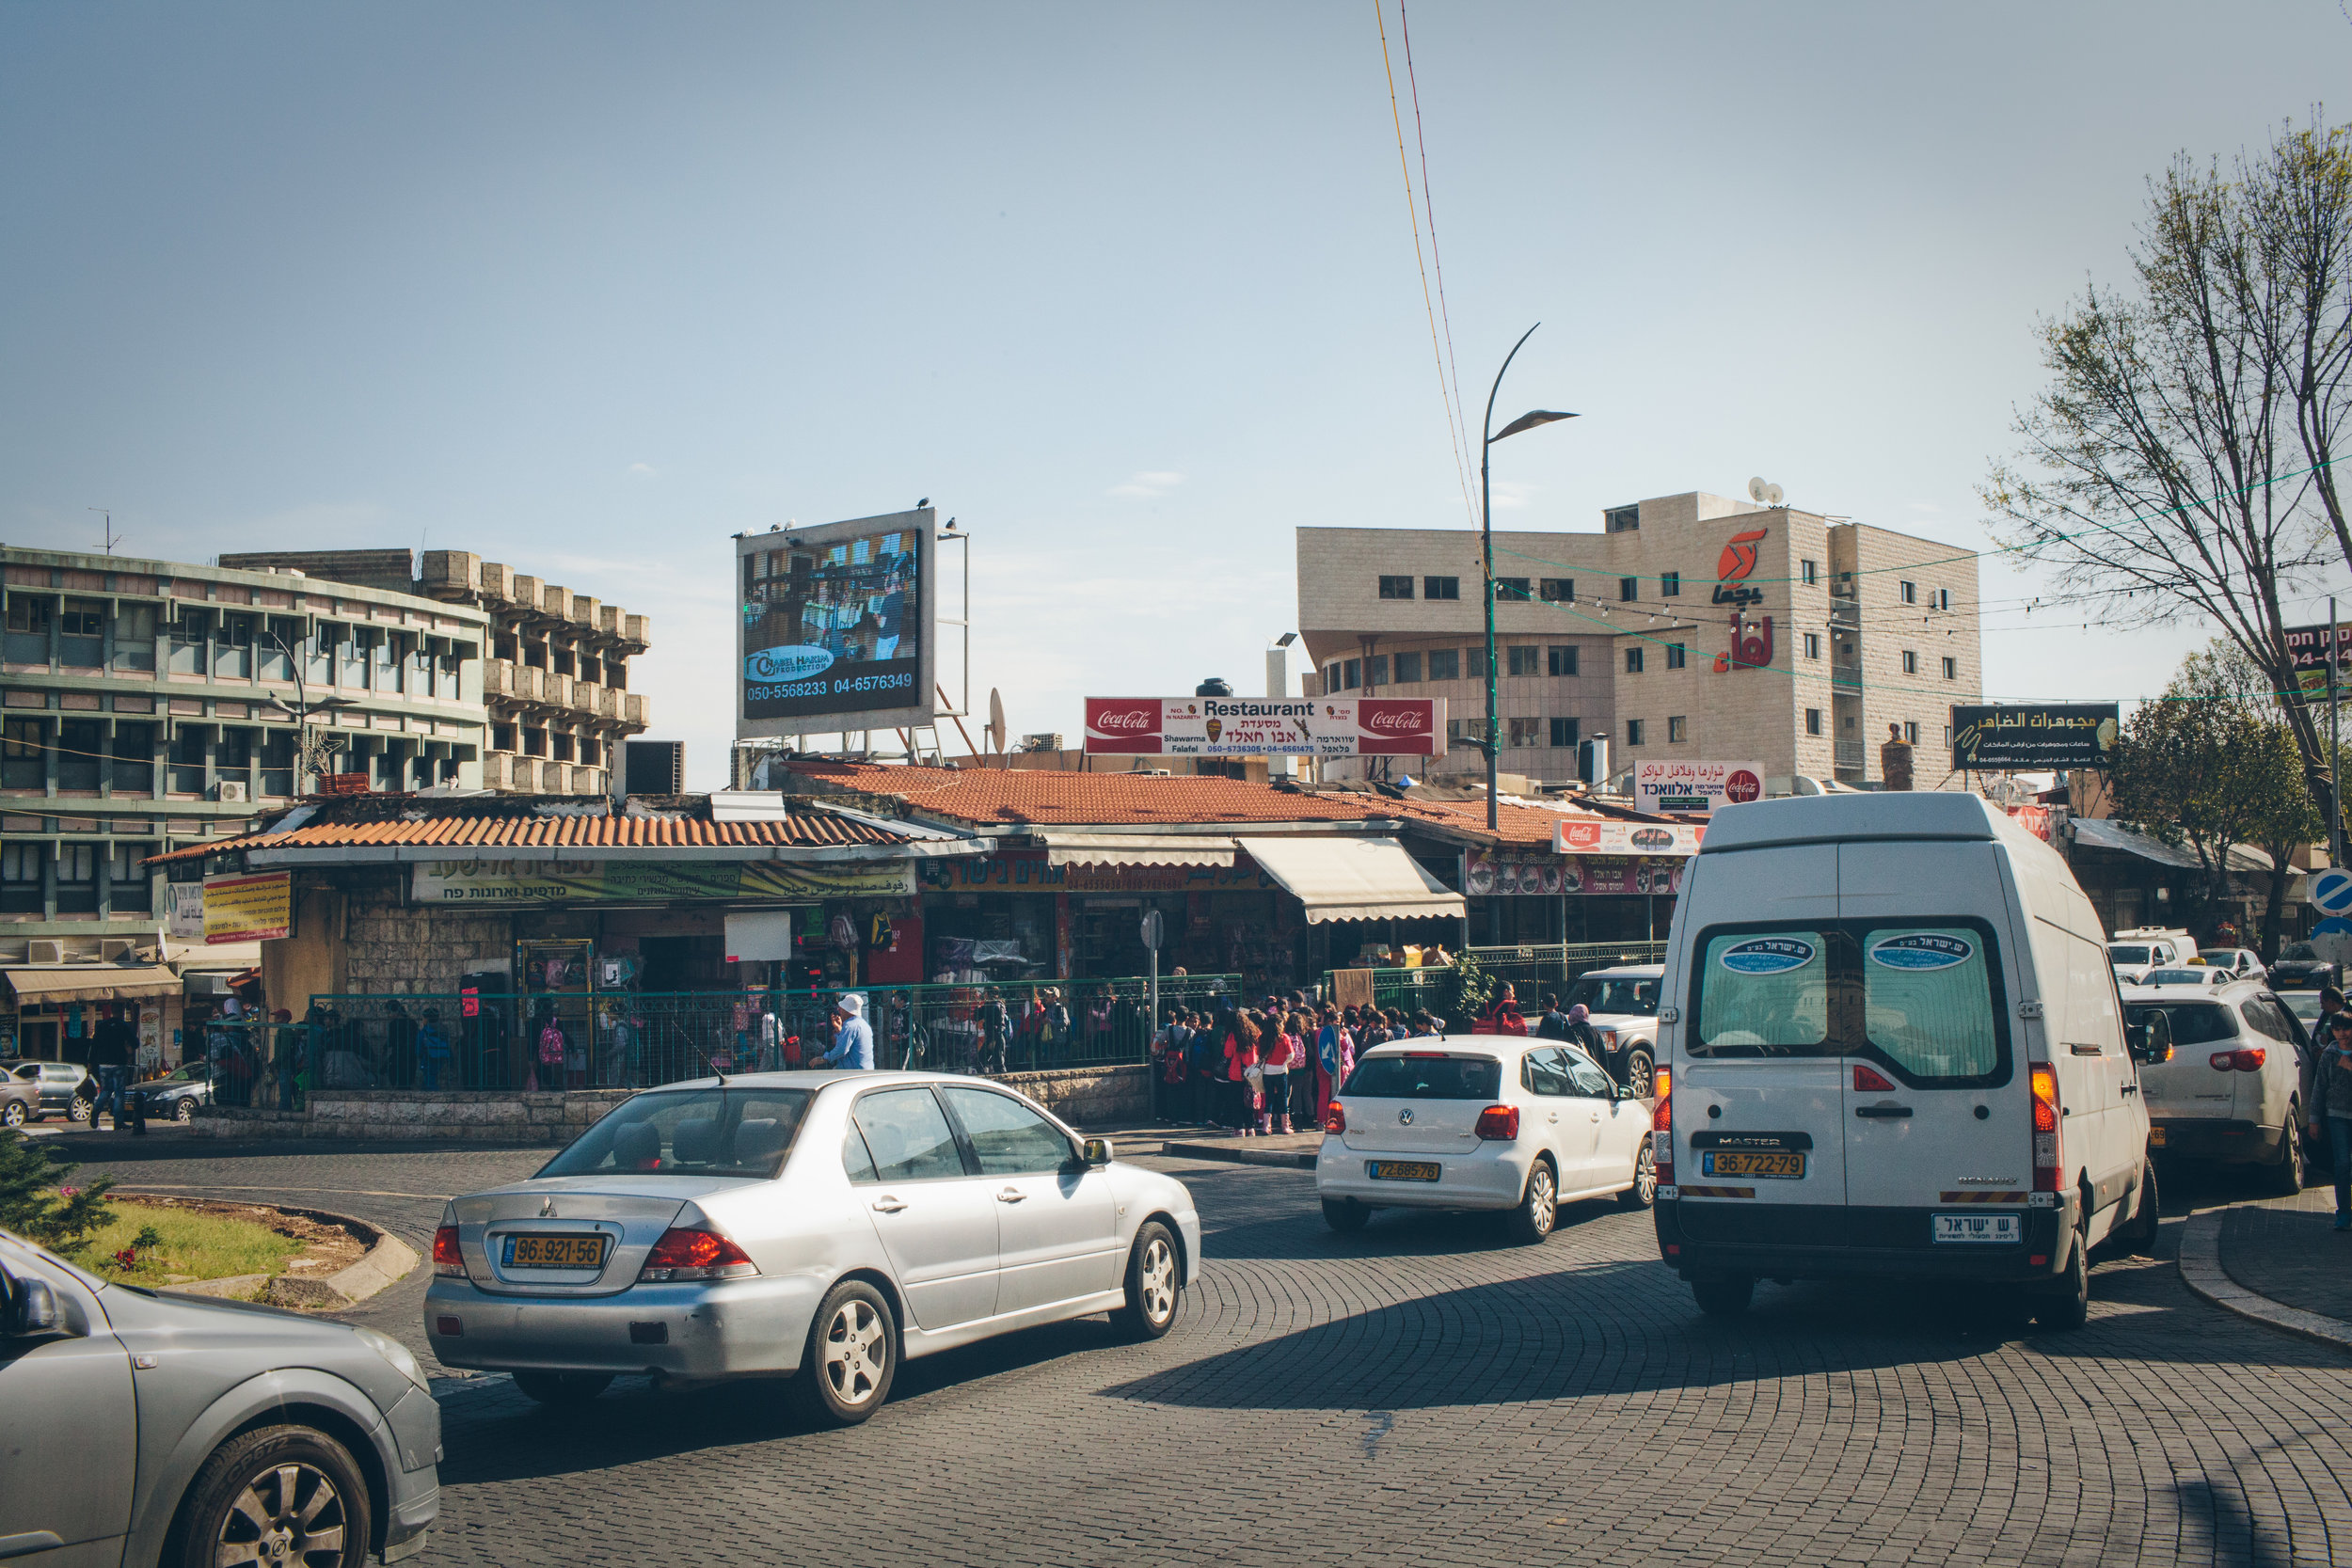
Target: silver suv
(141,1428)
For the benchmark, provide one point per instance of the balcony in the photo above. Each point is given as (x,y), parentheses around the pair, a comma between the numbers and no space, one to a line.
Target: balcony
(632,714)
(1845,677)
(588,697)
(1849,754)
(1844,615)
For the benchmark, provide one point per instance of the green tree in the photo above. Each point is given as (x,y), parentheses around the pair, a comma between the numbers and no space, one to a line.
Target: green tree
(34,1203)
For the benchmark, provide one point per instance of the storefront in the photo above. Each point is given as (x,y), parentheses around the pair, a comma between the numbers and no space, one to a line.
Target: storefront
(1536,895)
(56,1009)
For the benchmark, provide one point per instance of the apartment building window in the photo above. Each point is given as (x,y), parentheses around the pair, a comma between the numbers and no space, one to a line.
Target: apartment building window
(561,658)
(1563,658)
(1558,590)
(83,618)
(127,870)
(1911,593)
(1677,656)
(1910,662)
(502,737)
(1621,520)
(1678,731)
(1330,679)
(1669,584)
(1454,734)
(1524,732)
(28,615)
(1941,599)
(1396,587)
(502,645)
(1628,590)
(535,743)
(1564,731)
(1813,720)
(1514,588)
(1474,663)
(1951,669)
(24,760)
(591,751)
(1442,588)
(1911,732)
(562,744)
(1633,661)
(1445,664)
(617,673)
(1813,644)
(277,763)
(1633,732)
(1523,656)
(134,761)
(1812,572)
(1407,668)
(77,878)
(20,877)
(1351,675)
(78,755)
(1376,671)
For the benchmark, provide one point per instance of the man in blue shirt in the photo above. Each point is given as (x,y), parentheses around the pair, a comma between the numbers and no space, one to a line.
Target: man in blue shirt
(852,1040)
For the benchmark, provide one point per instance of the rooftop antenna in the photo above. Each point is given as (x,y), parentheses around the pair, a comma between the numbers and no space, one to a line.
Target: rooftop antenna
(112,537)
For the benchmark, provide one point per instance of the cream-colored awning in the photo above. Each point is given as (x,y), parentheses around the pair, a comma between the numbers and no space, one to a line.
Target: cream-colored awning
(1135,850)
(1354,878)
(91,983)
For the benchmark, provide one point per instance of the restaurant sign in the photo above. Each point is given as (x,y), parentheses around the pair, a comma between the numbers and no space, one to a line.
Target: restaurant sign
(249,908)
(1569,876)
(1583,835)
(1695,787)
(543,883)
(1267,727)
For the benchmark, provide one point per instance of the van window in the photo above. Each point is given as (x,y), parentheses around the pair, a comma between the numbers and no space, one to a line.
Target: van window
(1765,993)
(1426,1077)
(2193,1022)
(1927,999)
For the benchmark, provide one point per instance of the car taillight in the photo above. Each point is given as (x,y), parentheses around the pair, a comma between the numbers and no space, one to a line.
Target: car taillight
(1662,1127)
(2047,1111)
(2245,1058)
(1335,1117)
(696,1254)
(447,1260)
(1499,1123)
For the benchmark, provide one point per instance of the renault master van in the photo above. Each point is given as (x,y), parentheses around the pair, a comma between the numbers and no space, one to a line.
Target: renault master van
(1894,1047)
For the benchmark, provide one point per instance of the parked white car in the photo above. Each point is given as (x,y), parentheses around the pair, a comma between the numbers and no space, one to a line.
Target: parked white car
(1482,1122)
(2233,1091)
(819,1225)
(2242,963)
(1623,1005)
(2200,978)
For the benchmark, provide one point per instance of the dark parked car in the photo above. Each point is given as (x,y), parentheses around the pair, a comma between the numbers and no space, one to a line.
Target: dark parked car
(179,1094)
(66,1089)
(2299,967)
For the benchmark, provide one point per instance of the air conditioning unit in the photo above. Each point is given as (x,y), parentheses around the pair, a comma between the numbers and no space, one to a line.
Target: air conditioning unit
(44,952)
(230,792)
(1044,741)
(113,948)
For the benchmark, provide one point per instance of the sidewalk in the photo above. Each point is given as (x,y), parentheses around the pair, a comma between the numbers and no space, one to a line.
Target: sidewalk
(2279,1261)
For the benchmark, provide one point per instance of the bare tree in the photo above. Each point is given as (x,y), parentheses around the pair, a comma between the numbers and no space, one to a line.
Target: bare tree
(2179,463)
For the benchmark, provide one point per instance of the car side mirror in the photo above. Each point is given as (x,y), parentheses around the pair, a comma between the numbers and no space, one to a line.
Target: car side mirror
(1098,1151)
(31,1311)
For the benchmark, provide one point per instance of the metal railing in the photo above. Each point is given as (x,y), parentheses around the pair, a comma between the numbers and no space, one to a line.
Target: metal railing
(1531,970)
(635,1040)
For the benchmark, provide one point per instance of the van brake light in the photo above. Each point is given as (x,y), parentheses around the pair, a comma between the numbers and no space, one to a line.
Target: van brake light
(2046,1114)
(1662,1124)
(1866,1081)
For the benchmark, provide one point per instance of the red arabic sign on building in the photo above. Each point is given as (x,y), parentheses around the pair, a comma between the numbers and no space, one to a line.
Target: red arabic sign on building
(1267,727)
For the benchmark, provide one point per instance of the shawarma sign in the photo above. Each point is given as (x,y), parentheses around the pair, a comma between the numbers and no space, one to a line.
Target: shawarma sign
(2007,738)
(1267,727)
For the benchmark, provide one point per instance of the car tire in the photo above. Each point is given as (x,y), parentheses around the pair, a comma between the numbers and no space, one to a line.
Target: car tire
(1345,1215)
(184,1109)
(1645,1189)
(1641,1072)
(13,1115)
(2069,1307)
(2139,1236)
(1539,1207)
(78,1109)
(324,1502)
(1152,1283)
(1724,1295)
(563,1390)
(2284,1178)
(852,1355)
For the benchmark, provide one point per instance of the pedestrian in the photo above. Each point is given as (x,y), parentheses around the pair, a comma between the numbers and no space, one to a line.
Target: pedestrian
(2335,1098)
(1206,1062)
(111,1043)
(2330,1004)
(996,1033)
(853,1038)
(1283,1051)
(1553,1025)
(433,1048)
(1169,1051)
(1241,1074)
(1583,1035)
(1098,1027)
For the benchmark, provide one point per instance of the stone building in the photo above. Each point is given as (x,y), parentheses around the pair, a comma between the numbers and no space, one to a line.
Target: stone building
(1690,626)
(555,683)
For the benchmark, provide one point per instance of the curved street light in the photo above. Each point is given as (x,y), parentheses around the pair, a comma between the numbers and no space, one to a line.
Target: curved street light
(1493,739)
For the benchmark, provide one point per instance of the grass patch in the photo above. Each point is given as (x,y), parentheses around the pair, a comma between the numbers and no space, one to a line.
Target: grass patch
(165,1243)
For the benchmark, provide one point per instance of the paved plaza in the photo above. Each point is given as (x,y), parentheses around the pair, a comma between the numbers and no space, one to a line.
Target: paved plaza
(1422,1393)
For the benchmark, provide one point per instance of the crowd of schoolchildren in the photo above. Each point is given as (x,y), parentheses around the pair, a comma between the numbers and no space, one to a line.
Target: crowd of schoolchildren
(1269,1068)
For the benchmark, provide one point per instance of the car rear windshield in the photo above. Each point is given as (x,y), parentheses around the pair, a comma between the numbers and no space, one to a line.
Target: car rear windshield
(743,1131)
(2130,957)
(1616,993)
(2193,1022)
(2178,977)
(1921,998)
(1422,1076)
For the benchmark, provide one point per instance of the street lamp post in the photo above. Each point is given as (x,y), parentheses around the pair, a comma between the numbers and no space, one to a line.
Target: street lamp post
(1489,436)
(305,750)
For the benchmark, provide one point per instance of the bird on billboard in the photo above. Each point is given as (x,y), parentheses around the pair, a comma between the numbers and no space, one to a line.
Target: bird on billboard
(924,502)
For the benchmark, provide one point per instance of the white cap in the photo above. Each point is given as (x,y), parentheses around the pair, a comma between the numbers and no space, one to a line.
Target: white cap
(851,1003)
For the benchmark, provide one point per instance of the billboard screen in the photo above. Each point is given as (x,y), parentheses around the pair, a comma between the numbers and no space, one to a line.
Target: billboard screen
(836,626)
(1267,727)
(2308,651)
(1987,739)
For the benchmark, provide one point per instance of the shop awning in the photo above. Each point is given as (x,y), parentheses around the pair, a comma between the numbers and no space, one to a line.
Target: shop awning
(1354,878)
(2099,832)
(91,983)
(1063,848)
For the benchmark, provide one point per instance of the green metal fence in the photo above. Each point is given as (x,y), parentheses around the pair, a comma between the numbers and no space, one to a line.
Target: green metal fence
(1530,970)
(632,1039)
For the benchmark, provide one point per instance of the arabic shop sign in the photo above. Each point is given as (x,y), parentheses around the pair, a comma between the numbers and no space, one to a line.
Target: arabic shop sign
(1695,787)
(1989,738)
(2308,651)
(488,881)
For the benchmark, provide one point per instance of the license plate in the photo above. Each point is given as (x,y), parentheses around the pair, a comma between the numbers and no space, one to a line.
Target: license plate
(1781,1163)
(554,1252)
(1403,1170)
(1980,1228)
(2155,1137)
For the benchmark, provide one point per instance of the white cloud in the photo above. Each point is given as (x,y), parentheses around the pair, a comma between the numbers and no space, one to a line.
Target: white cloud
(1510,497)
(1148,485)
(642,471)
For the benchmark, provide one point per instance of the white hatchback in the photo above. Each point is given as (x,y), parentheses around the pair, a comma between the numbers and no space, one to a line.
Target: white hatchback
(1488,1122)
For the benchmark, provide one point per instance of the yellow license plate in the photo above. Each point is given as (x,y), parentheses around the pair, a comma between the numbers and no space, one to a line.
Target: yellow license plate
(555,1252)
(1405,1170)
(1740,1162)
(2155,1137)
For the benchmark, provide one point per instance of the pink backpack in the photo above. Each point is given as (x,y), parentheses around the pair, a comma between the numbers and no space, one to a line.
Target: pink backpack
(551,1046)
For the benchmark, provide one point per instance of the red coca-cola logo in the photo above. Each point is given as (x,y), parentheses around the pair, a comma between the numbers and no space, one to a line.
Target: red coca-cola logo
(1742,786)
(1133,718)
(1401,723)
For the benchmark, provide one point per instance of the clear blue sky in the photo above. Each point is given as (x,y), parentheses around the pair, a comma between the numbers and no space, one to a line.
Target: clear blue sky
(1129,291)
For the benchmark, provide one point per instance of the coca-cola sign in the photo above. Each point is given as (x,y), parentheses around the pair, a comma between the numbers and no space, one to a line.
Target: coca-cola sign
(1267,727)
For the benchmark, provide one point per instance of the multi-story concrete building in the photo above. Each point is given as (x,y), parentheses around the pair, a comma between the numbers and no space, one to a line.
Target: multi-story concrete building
(556,680)
(147,703)
(1691,626)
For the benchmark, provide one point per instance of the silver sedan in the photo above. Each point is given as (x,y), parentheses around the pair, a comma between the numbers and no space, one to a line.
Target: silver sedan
(819,1225)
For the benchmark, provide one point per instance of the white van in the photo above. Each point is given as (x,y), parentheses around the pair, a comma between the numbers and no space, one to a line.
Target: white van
(1894,1047)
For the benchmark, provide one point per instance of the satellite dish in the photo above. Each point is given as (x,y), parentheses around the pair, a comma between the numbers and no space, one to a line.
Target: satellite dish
(995,732)
(1757,488)
(1773,494)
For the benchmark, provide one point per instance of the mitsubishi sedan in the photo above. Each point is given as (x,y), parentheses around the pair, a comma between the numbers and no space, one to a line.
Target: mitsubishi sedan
(820,1226)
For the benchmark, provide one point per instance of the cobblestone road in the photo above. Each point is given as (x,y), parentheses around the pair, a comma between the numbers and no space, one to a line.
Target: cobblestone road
(1420,1393)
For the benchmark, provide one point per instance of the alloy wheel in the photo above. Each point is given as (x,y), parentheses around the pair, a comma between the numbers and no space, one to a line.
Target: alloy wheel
(855,1351)
(1640,1077)
(1158,1279)
(288,1516)
(14,1115)
(1645,1174)
(1543,1199)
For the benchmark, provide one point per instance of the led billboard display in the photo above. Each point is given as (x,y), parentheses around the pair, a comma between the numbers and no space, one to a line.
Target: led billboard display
(836,632)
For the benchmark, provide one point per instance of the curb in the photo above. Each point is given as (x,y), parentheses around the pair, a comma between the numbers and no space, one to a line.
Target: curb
(1237,1152)
(385,1264)
(2202,1272)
